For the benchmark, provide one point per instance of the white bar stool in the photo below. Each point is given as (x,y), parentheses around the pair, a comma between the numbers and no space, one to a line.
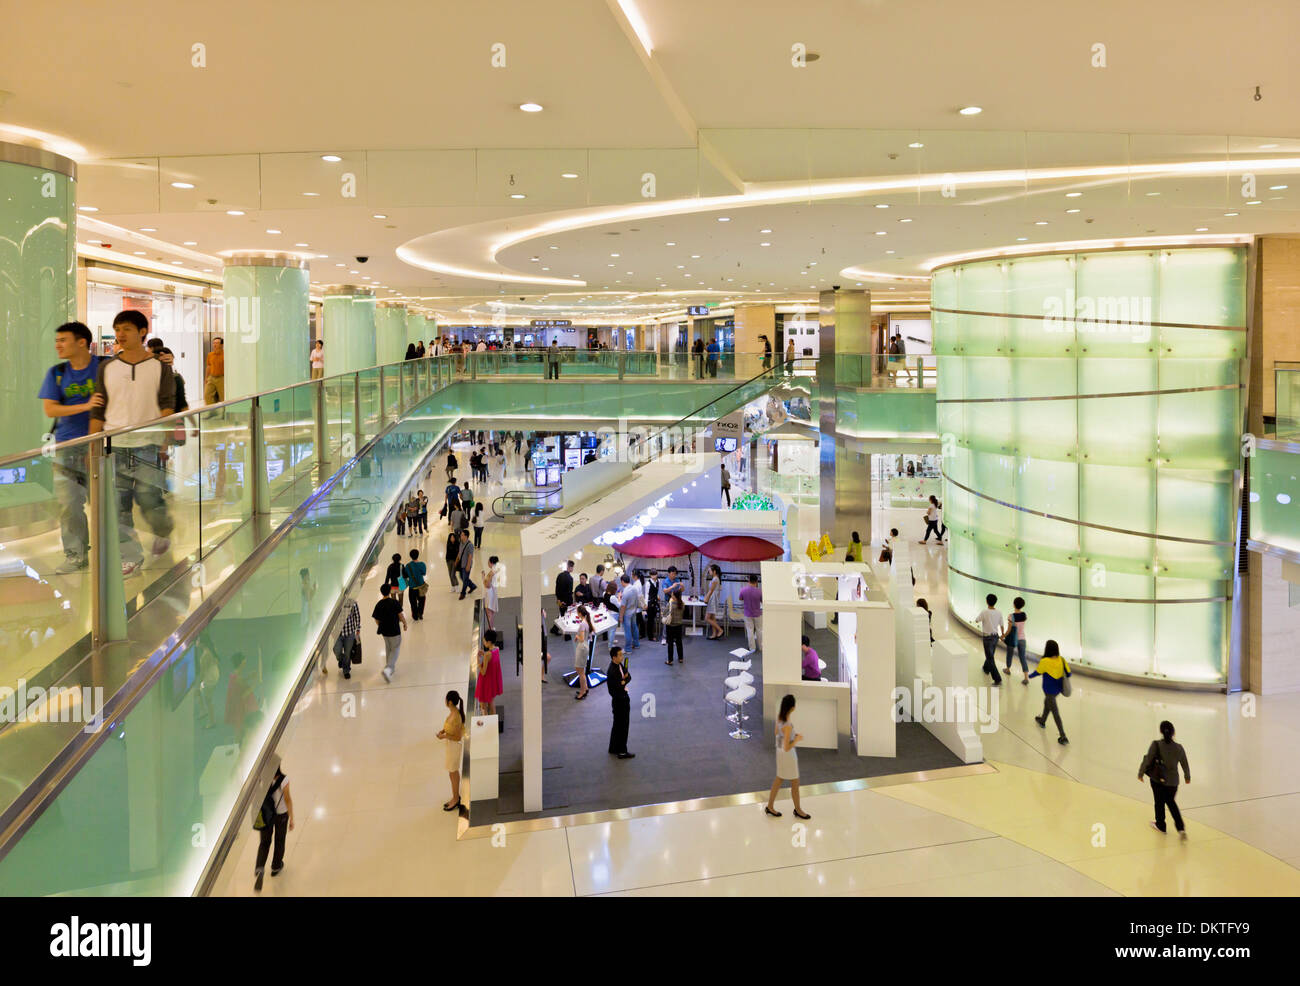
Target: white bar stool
(738,698)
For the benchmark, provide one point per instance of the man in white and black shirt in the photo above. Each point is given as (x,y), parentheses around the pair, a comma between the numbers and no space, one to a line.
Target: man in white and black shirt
(132,389)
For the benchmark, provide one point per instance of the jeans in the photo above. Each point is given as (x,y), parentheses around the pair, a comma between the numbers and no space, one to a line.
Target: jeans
(754,631)
(392,647)
(1016,645)
(713,367)
(676,632)
(990,657)
(1164,795)
(933,525)
(280,829)
(631,638)
(344,652)
(451,572)
(466,583)
(478,537)
(1049,705)
(71,490)
(140,478)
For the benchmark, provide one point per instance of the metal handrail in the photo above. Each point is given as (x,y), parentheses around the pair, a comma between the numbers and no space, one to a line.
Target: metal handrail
(534,494)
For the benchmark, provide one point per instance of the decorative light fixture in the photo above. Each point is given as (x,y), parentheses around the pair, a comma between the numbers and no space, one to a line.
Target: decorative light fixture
(531,107)
(971,110)
(234,212)
(182,184)
(916,145)
(569,174)
(331,158)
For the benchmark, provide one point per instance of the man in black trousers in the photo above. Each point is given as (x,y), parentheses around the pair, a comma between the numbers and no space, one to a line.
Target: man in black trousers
(564,590)
(617,678)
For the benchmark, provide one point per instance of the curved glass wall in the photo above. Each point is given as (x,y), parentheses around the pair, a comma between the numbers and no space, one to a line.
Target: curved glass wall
(1090,408)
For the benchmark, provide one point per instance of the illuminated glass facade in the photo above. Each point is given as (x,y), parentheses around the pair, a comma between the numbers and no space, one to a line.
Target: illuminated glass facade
(1090,408)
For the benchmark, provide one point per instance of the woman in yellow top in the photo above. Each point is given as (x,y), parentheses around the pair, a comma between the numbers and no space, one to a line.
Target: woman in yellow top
(1055,672)
(452,735)
(855,549)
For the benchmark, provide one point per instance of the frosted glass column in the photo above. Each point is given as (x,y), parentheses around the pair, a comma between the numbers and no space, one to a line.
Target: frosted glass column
(417,329)
(349,335)
(38,286)
(1090,407)
(266,328)
(390,332)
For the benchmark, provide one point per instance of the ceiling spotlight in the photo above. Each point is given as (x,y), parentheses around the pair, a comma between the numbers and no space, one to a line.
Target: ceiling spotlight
(1072,195)
(1253,202)
(234,212)
(378,215)
(765,244)
(178,261)
(695,256)
(1231,214)
(138,253)
(1153,193)
(889,251)
(531,107)
(613,254)
(182,184)
(1267,147)
(331,158)
(1202,229)
(916,145)
(1041,222)
(1276,188)
(1068,211)
(312,195)
(274,232)
(670,243)
(904,220)
(148,229)
(971,110)
(517,195)
(190,243)
(87,208)
(724,219)
(882,205)
(1021,239)
(302,244)
(880,232)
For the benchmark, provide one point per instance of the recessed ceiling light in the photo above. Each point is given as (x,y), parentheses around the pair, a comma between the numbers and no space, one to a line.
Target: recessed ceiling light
(182,184)
(378,215)
(1021,239)
(904,220)
(724,219)
(889,251)
(517,195)
(1253,202)
(302,244)
(1202,229)
(681,266)
(609,265)
(1041,222)
(1276,188)
(234,212)
(340,265)
(880,232)
(331,158)
(1231,214)
(148,229)
(916,145)
(546,268)
(1267,147)
(569,174)
(765,243)
(554,247)
(882,205)
(1072,195)
(190,243)
(695,256)
(139,253)
(1068,211)
(95,242)
(613,254)
(1153,193)
(178,261)
(312,195)
(274,232)
(670,243)
(971,110)
(354,272)
(87,208)
(531,107)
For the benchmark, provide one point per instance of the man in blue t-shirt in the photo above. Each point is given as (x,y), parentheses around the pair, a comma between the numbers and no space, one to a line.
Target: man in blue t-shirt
(712,352)
(67,387)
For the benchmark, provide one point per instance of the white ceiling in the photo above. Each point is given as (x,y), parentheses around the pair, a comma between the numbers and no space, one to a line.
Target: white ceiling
(430,132)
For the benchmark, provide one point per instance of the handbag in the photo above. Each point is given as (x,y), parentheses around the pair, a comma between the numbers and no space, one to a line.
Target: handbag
(356,650)
(1066,690)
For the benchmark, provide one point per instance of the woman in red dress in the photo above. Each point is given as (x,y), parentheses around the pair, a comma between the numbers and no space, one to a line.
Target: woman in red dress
(489,684)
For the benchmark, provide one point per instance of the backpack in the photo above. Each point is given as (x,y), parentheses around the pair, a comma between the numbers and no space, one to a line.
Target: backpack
(1158,771)
(265,814)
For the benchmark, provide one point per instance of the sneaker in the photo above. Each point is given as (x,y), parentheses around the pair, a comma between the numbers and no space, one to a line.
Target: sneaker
(257,884)
(130,567)
(388,675)
(627,756)
(1063,741)
(71,565)
(1042,722)
(347,674)
(160,546)
(276,870)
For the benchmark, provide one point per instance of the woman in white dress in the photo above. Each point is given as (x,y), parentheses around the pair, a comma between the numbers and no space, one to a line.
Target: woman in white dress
(582,649)
(713,603)
(490,586)
(787,759)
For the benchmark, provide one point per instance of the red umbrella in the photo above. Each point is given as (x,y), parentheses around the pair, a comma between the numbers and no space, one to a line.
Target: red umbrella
(740,547)
(656,545)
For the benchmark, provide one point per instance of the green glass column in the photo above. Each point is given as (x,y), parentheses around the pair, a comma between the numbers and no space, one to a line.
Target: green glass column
(266,329)
(390,332)
(416,326)
(1090,409)
(38,287)
(349,329)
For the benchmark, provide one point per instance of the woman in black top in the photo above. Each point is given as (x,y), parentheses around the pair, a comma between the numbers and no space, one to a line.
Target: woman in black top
(410,350)
(453,552)
(394,573)
(478,524)
(451,464)
(1161,764)
(767,352)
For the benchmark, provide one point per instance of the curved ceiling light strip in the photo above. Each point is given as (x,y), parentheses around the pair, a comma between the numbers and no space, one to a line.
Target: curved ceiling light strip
(485,241)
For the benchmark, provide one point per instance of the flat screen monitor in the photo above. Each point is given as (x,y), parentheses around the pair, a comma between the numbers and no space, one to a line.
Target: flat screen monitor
(572,458)
(539,476)
(590,441)
(553,475)
(724,444)
(15,474)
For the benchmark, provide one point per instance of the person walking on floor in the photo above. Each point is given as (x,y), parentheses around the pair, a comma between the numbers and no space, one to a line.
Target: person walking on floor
(452,555)
(393,577)
(214,384)
(932,522)
(415,571)
(1161,764)
(451,465)
(726,484)
(348,638)
(274,819)
(465,564)
(390,622)
(713,602)
(751,603)
(478,524)
(489,685)
(1056,681)
(630,605)
(452,735)
(1016,638)
(493,577)
(582,644)
(991,625)
(787,759)
(674,626)
(617,678)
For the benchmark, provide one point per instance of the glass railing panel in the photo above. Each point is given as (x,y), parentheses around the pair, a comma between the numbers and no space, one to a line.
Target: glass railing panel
(221,442)
(371,402)
(1287,383)
(278,431)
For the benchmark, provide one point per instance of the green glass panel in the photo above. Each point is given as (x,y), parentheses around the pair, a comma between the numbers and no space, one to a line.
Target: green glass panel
(1038,286)
(1275,498)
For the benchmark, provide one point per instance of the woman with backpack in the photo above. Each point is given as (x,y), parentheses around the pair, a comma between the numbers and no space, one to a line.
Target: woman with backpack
(1056,681)
(274,818)
(1161,764)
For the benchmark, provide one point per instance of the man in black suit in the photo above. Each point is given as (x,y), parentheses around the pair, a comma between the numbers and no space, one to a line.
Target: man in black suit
(617,678)
(564,589)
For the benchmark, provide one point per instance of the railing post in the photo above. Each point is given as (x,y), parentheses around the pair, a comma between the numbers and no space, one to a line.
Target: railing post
(358,426)
(256,490)
(322,434)
(379,425)
(622,364)
(401,389)
(107,593)
(473,365)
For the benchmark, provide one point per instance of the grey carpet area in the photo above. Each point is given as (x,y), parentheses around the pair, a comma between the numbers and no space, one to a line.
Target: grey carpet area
(682,752)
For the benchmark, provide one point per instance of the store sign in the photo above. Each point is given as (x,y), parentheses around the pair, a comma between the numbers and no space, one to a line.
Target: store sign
(550,323)
(732,426)
(697,310)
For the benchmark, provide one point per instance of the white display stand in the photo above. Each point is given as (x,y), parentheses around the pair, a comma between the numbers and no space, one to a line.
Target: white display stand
(484,758)
(865,695)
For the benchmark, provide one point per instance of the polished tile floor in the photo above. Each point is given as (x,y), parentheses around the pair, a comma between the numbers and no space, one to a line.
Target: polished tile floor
(367,782)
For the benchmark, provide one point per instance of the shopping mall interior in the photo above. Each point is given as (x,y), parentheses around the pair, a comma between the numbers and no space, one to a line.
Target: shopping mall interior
(891,410)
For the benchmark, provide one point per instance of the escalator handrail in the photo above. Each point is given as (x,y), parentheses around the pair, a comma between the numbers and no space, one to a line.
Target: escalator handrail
(535,494)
